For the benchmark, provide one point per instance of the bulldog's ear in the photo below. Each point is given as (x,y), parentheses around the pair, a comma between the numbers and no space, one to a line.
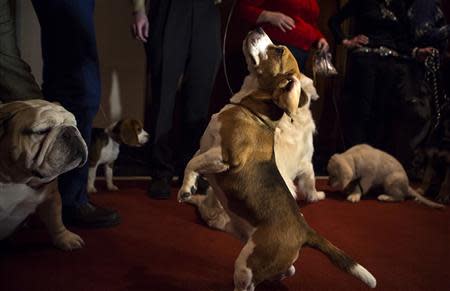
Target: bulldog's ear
(287,94)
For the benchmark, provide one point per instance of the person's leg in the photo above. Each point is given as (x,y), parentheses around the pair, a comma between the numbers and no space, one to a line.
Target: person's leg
(200,73)
(412,111)
(300,55)
(170,36)
(16,80)
(71,77)
(358,111)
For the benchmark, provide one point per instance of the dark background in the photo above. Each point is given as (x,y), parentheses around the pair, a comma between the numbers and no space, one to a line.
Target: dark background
(328,139)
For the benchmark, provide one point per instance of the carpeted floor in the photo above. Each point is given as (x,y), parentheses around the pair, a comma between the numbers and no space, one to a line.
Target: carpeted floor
(163,245)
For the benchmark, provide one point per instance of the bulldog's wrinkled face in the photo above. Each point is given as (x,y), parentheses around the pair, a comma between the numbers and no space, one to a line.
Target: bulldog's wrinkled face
(38,142)
(340,173)
(275,68)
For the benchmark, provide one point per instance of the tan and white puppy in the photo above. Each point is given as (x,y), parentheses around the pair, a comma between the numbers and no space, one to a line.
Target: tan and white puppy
(362,167)
(237,157)
(38,142)
(105,148)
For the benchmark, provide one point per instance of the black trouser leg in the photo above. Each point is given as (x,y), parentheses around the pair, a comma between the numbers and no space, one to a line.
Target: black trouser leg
(16,80)
(167,54)
(359,107)
(200,73)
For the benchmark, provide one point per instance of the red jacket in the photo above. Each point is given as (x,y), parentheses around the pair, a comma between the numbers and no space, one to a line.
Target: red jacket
(304,12)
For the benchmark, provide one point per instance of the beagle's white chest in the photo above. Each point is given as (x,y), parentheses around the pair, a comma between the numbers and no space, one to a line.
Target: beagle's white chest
(110,152)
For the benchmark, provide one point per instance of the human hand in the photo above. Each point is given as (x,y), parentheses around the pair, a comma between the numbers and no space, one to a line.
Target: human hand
(356,41)
(278,19)
(422,53)
(323,45)
(140,26)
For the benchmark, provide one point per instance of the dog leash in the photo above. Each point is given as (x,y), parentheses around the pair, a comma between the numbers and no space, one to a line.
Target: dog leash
(224,45)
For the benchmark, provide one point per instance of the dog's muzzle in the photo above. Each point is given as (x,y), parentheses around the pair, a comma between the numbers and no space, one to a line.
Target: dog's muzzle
(78,149)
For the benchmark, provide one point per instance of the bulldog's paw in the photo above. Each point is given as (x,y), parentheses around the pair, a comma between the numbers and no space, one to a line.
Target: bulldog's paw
(112,188)
(69,241)
(354,198)
(91,189)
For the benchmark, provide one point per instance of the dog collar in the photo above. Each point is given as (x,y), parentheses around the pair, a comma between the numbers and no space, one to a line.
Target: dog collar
(252,112)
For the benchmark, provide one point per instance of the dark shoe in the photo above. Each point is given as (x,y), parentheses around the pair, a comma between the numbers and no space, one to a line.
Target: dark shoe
(160,188)
(90,216)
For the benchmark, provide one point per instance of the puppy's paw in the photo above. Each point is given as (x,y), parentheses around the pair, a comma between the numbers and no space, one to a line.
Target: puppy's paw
(68,241)
(91,189)
(385,198)
(354,198)
(112,188)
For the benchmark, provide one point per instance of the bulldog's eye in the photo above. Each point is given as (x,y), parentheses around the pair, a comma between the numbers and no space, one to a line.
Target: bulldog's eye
(42,131)
(30,131)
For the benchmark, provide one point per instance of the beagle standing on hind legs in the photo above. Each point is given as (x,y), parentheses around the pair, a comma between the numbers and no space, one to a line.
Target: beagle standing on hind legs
(237,157)
(105,147)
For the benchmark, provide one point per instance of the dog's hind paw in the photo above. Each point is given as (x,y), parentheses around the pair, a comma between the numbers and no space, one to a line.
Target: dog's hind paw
(68,241)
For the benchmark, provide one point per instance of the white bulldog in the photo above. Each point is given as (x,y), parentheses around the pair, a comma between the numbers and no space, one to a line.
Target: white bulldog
(38,142)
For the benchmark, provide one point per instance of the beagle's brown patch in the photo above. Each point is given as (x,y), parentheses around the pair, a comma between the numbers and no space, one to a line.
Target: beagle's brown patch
(127,131)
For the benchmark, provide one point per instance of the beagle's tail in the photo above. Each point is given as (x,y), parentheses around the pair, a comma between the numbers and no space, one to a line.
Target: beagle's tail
(340,259)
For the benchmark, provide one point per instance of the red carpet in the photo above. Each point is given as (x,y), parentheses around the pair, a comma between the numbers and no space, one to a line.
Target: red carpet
(162,245)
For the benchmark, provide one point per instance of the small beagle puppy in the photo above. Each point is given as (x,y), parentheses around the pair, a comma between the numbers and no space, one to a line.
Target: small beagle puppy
(105,144)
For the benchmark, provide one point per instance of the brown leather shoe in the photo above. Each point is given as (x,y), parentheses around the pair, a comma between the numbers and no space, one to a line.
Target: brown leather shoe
(90,216)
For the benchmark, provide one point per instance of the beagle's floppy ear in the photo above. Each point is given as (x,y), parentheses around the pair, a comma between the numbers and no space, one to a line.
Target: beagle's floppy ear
(308,88)
(287,93)
(127,131)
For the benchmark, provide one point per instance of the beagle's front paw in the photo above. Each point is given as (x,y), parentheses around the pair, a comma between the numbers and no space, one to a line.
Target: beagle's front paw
(185,195)
(112,187)
(91,189)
